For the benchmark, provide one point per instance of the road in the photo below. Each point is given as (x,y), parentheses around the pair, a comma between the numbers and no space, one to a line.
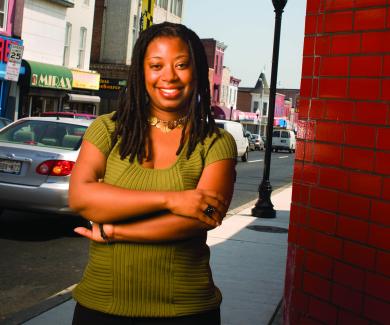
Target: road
(40,255)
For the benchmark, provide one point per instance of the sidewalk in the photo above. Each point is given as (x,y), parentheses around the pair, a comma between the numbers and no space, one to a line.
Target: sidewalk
(248,266)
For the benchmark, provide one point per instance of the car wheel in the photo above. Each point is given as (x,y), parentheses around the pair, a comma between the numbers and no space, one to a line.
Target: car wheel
(244,157)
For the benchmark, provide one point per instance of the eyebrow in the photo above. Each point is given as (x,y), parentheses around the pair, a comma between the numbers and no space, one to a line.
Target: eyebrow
(159,57)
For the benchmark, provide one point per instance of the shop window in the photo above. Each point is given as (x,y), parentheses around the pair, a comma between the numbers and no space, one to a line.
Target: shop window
(83,38)
(68,35)
(3,14)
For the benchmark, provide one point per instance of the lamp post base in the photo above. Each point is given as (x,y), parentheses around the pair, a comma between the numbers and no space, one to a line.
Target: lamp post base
(261,212)
(264,207)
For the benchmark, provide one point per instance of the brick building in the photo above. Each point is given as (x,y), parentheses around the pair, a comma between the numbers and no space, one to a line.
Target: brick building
(338,267)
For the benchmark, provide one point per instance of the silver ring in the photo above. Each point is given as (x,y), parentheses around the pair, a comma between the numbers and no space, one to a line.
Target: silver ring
(209,211)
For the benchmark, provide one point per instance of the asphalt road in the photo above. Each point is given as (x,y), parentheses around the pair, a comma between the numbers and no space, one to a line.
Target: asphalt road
(40,255)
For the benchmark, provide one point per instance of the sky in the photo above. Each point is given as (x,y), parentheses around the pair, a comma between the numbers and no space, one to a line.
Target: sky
(247,28)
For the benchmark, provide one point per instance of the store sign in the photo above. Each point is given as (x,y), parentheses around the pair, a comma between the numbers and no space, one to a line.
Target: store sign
(51,81)
(112,84)
(12,69)
(85,80)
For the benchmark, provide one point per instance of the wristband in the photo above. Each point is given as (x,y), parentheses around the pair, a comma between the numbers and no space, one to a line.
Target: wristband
(102,233)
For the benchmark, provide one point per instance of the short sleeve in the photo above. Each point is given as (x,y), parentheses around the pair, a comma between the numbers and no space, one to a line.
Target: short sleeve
(99,133)
(221,147)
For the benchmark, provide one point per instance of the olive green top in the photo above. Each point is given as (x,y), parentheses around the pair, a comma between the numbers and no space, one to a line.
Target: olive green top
(152,280)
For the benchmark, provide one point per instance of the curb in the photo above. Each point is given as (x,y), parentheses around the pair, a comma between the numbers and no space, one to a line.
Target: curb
(39,308)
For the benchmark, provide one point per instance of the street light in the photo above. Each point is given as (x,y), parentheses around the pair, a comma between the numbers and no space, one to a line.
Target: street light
(264,207)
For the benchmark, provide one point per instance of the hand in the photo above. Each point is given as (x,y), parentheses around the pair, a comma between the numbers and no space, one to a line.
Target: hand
(192,203)
(94,232)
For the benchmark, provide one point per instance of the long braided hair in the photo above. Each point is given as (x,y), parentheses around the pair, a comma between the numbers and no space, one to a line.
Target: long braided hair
(131,118)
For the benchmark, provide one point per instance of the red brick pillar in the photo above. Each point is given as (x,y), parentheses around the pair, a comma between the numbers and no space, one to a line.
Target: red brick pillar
(338,267)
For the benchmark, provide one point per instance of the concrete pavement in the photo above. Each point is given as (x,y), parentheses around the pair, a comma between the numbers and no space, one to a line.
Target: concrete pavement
(248,264)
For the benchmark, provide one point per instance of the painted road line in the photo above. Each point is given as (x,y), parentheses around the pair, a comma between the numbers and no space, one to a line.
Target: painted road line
(281,157)
(255,160)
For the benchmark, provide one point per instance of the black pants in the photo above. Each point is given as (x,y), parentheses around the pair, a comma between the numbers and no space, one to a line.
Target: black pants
(86,316)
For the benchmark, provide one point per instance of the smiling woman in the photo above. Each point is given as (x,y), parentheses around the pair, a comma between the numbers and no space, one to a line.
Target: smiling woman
(154,177)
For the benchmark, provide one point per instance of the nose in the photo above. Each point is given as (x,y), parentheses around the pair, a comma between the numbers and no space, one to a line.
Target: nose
(169,73)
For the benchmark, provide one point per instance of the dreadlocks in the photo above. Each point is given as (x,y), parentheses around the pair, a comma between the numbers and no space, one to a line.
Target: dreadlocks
(131,118)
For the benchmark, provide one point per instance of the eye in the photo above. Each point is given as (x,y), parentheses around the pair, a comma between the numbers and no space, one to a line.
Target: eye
(155,66)
(182,65)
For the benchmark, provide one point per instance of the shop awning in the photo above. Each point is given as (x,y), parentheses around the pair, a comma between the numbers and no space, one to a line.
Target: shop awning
(83,98)
(44,75)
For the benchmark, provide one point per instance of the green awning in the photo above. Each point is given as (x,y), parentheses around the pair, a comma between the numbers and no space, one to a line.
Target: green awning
(52,76)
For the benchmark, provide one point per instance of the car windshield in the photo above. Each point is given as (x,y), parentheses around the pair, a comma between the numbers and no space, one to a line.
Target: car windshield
(255,136)
(44,134)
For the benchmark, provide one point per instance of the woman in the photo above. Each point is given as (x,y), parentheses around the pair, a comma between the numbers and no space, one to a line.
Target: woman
(154,177)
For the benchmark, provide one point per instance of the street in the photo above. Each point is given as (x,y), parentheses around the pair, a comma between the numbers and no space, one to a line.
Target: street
(40,255)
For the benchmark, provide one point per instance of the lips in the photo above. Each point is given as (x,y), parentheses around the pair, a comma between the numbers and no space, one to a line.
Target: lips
(169,93)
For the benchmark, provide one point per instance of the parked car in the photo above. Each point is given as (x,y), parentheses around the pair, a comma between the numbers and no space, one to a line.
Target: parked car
(259,143)
(37,155)
(4,121)
(251,141)
(70,115)
(237,131)
(283,140)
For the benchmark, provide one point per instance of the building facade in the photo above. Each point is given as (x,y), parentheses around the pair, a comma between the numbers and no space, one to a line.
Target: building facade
(215,53)
(255,101)
(57,43)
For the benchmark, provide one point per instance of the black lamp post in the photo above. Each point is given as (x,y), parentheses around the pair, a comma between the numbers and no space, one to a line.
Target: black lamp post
(264,207)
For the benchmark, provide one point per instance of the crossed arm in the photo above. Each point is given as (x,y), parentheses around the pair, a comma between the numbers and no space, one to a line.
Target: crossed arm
(177,215)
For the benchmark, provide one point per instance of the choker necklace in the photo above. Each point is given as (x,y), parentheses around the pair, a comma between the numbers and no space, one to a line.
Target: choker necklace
(167,126)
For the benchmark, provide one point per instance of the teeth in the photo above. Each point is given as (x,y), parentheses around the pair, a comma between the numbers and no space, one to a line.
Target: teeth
(169,91)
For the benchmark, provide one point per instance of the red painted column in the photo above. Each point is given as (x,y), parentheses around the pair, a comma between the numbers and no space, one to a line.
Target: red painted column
(338,266)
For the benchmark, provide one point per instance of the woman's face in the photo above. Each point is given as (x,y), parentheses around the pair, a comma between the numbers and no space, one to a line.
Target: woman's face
(168,75)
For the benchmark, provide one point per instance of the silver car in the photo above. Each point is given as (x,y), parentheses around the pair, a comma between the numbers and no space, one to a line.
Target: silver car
(37,155)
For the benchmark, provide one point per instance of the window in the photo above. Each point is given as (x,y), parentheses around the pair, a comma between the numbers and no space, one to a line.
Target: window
(83,38)
(255,106)
(68,34)
(162,4)
(285,134)
(176,7)
(179,7)
(265,110)
(3,14)
(135,29)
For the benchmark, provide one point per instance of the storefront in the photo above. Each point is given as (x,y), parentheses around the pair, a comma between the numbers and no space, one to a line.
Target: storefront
(110,90)
(44,88)
(83,97)
(9,90)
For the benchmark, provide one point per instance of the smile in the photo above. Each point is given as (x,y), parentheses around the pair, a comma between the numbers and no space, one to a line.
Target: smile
(169,93)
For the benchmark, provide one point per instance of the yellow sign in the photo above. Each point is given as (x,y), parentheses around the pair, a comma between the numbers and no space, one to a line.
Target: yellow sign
(147,13)
(85,80)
